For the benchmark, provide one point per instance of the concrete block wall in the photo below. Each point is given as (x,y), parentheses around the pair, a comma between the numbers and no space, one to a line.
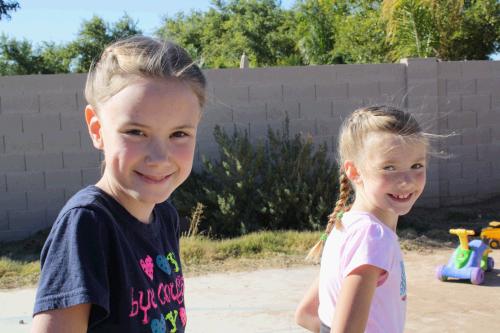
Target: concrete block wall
(469,107)
(46,154)
(45,151)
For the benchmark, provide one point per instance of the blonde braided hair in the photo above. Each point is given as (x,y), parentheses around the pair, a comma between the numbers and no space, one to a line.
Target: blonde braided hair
(335,218)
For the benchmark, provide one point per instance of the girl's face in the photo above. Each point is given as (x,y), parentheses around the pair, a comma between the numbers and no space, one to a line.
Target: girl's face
(390,175)
(147,132)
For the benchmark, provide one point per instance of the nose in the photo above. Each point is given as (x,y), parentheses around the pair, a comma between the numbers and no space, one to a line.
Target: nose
(405,179)
(157,152)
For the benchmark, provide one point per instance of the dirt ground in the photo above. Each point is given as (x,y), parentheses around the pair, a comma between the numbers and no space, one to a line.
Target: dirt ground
(435,306)
(263,300)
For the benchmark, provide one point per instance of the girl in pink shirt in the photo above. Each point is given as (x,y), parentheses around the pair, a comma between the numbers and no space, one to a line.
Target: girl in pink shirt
(362,283)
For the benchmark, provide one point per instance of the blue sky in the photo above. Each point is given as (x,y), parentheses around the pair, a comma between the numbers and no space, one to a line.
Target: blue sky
(60,20)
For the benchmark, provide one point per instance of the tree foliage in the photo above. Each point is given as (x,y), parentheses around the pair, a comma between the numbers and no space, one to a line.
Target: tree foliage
(95,35)
(217,38)
(6,7)
(21,57)
(361,35)
(446,29)
(316,31)
(311,32)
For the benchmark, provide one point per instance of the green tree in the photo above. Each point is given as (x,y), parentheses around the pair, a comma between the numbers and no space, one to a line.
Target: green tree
(341,31)
(361,32)
(259,28)
(6,7)
(446,29)
(187,30)
(19,57)
(361,38)
(95,35)
(479,33)
(316,30)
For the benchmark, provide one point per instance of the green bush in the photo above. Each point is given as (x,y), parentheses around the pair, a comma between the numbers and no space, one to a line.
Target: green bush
(282,183)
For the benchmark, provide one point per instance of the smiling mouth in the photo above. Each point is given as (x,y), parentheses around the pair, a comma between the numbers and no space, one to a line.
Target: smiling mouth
(401,197)
(152,179)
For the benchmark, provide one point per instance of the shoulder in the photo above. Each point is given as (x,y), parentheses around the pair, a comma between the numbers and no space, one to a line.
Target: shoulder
(89,198)
(367,241)
(91,201)
(86,213)
(366,235)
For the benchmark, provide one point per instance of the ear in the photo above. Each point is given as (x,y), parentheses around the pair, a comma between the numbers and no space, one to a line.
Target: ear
(94,126)
(352,172)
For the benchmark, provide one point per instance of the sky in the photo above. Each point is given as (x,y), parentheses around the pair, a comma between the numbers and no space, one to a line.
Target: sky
(60,20)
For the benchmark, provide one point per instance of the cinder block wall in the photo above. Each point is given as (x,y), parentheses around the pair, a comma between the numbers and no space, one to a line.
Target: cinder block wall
(469,104)
(46,154)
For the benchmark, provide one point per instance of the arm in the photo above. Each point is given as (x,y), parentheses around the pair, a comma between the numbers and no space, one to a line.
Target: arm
(353,306)
(72,319)
(306,314)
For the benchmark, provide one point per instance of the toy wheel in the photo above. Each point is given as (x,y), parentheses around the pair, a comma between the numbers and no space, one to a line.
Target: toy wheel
(439,273)
(494,244)
(476,275)
(490,264)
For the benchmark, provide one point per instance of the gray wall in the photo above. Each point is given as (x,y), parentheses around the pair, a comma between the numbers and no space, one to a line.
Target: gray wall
(46,154)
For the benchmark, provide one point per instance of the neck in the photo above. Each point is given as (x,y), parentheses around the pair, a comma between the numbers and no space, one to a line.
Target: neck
(143,213)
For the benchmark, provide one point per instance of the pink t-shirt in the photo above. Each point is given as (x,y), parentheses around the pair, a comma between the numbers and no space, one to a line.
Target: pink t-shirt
(365,240)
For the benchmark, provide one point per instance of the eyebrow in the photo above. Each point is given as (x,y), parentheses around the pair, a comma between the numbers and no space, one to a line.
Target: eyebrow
(133,123)
(181,127)
(419,159)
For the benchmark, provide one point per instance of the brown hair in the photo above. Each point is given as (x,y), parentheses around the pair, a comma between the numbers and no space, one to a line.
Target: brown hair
(353,133)
(136,57)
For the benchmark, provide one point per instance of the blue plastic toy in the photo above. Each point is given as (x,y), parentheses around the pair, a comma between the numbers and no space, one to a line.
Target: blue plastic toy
(469,261)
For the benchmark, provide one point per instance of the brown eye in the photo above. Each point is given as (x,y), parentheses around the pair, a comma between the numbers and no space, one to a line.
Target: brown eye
(179,134)
(135,132)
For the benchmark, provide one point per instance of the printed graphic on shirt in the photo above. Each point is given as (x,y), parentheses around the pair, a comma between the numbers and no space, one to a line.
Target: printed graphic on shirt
(402,287)
(147,266)
(170,292)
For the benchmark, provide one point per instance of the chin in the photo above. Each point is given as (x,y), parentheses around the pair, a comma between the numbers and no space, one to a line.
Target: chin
(406,211)
(153,199)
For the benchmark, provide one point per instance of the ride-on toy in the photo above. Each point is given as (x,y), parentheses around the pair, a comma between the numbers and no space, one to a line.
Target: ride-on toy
(491,234)
(469,261)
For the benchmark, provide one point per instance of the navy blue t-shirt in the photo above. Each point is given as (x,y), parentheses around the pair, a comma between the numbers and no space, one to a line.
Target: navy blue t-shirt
(130,272)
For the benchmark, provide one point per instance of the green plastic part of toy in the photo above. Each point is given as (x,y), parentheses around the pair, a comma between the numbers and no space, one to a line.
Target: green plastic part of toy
(461,257)
(484,262)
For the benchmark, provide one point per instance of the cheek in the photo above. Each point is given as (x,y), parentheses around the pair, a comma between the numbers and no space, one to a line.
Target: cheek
(421,178)
(121,152)
(184,153)
(382,182)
